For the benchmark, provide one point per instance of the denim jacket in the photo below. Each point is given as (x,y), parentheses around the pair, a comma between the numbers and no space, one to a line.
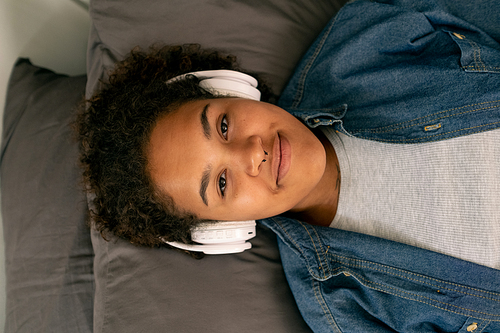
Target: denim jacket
(348,282)
(408,71)
(403,73)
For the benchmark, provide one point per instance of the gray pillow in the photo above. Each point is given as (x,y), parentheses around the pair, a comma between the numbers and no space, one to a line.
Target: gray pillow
(268,36)
(48,250)
(149,290)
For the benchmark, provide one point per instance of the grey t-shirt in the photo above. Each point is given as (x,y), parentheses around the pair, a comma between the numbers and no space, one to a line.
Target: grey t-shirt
(442,196)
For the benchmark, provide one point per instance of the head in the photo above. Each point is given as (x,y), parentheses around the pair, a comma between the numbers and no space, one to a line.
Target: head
(161,157)
(114,128)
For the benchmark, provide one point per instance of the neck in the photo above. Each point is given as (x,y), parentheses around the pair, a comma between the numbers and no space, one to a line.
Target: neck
(320,206)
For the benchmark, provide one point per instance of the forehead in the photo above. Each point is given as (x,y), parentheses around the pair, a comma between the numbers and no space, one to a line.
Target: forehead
(177,153)
(169,131)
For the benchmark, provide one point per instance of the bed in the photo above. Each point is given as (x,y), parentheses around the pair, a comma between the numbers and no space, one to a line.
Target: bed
(63,277)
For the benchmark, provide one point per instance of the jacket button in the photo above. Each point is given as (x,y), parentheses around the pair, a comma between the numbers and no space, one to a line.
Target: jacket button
(316,120)
(472,327)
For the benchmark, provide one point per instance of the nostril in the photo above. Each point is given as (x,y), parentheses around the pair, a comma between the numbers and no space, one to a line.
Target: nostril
(265,153)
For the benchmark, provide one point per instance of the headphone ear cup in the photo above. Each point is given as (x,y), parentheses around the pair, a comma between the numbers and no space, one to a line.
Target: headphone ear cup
(223,237)
(226,83)
(227,86)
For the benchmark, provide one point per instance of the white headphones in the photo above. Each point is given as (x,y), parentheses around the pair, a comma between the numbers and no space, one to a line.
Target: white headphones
(220,237)
(226,83)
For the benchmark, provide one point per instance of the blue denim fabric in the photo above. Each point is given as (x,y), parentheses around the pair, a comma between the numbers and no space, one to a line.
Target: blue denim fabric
(349,282)
(406,71)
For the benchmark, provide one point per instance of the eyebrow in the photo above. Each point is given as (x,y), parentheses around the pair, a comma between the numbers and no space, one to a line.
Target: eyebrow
(205,178)
(204,122)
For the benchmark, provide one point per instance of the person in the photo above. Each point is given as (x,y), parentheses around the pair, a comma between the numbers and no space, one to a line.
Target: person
(390,130)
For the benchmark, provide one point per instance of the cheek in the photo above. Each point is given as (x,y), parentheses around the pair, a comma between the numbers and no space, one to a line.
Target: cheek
(250,191)
(261,202)
(253,198)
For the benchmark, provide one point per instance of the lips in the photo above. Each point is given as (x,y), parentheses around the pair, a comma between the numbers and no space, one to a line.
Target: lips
(282,157)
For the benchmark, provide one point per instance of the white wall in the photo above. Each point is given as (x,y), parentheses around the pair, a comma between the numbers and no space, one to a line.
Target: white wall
(53,34)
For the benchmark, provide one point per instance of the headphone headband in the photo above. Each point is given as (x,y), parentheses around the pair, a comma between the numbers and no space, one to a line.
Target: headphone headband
(226,83)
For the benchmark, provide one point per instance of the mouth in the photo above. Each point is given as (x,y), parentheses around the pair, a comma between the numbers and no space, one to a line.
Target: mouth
(281,157)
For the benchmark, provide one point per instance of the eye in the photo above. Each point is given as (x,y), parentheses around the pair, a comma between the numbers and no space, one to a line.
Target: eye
(222,183)
(224,127)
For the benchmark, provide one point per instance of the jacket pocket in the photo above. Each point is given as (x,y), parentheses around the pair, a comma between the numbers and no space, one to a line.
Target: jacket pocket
(476,56)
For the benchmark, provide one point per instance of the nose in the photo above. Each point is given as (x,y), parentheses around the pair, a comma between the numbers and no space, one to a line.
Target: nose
(252,155)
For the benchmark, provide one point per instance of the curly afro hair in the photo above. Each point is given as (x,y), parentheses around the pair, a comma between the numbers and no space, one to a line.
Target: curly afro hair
(114,127)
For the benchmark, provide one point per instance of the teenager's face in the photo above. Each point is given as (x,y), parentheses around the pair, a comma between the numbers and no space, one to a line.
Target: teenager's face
(235,159)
